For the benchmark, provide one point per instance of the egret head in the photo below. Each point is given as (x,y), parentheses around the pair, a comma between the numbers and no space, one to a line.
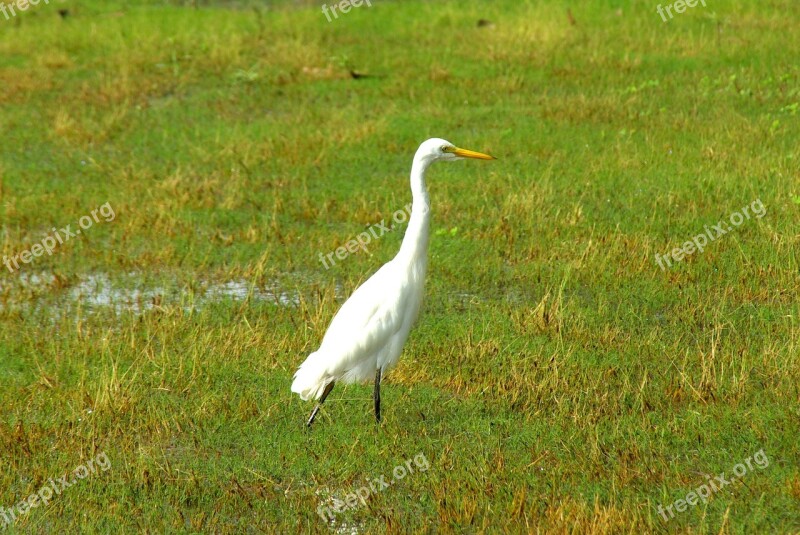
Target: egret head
(436,149)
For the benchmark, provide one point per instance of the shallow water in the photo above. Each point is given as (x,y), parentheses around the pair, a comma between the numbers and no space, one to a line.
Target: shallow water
(137,293)
(129,293)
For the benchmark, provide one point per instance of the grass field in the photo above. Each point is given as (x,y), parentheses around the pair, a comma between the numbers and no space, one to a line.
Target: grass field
(559,379)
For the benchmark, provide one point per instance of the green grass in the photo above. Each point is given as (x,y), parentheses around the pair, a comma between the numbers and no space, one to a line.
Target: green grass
(557,381)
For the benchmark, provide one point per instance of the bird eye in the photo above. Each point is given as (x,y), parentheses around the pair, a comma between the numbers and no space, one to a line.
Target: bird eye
(444,148)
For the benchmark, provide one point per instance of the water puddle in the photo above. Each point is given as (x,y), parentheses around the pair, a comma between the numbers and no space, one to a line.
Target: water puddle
(240,289)
(137,293)
(130,293)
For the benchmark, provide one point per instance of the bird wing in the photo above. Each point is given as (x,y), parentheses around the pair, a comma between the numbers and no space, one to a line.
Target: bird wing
(366,321)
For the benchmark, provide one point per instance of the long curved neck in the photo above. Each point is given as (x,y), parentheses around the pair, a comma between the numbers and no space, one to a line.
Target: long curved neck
(415,242)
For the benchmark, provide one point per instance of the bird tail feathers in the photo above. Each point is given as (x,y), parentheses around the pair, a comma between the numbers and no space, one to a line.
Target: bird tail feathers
(310,378)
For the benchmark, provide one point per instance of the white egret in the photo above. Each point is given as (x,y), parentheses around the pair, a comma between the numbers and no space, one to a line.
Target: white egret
(367,335)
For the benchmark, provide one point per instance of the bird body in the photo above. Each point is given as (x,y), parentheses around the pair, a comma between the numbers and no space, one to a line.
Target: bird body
(367,334)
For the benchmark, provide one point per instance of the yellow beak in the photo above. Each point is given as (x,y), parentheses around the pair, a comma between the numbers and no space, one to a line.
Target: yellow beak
(464,153)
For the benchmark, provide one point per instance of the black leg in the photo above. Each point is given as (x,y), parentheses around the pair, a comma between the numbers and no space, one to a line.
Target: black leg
(328,388)
(377,395)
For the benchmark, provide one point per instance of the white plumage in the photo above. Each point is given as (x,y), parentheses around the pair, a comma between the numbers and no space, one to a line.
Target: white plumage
(367,335)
